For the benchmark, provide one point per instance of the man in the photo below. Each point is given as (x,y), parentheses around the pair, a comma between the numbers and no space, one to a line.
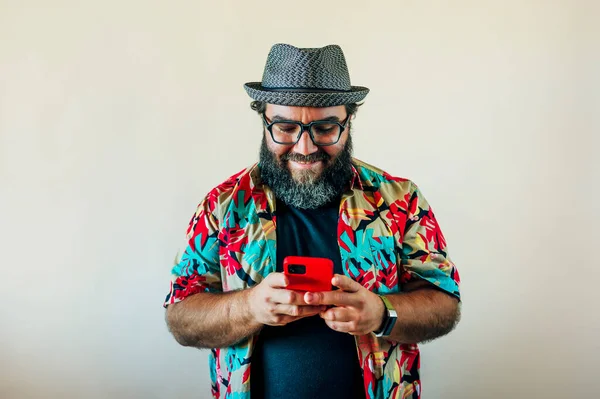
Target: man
(394,284)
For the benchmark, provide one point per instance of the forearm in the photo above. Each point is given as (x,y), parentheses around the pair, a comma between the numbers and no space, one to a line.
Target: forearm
(423,315)
(207,320)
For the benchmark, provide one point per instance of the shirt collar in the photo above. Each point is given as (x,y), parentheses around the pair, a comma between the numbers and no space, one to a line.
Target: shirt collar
(355,180)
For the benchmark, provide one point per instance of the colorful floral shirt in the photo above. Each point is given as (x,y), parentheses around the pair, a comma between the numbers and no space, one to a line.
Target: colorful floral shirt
(387,236)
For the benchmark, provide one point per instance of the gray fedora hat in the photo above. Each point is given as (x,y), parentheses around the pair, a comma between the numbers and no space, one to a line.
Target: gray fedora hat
(309,77)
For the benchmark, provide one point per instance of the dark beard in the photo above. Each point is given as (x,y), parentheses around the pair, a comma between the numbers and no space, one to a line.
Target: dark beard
(308,191)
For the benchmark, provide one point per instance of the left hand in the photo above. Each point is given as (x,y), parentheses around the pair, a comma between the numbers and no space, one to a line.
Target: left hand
(357,310)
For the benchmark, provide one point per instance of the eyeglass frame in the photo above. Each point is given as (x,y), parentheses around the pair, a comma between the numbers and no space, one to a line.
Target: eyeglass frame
(306,127)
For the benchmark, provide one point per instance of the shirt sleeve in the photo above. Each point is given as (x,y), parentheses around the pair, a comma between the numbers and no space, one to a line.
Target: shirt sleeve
(424,250)
(197,268)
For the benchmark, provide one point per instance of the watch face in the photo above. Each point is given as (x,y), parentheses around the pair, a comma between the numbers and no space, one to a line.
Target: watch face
(390,325)
(389,318)
(386,317)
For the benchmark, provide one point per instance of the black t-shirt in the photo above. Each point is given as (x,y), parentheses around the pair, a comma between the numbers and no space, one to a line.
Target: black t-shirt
(306,359)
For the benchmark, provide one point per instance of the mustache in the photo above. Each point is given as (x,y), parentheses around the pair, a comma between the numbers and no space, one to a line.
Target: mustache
(314,157)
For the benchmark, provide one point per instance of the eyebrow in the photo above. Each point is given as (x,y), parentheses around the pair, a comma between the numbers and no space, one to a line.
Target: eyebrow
(332,118)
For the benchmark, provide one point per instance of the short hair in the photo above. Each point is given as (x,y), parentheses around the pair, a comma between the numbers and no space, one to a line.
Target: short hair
(261,106)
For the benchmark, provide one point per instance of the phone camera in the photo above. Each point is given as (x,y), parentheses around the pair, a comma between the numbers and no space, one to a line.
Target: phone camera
(297,269)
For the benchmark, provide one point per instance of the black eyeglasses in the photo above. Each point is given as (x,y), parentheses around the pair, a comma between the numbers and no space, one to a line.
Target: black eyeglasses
(322,133)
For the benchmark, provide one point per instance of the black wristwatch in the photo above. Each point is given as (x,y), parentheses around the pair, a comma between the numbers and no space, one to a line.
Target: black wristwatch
(389,319)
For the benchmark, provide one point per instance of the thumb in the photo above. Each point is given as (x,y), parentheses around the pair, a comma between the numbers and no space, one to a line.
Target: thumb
(313,298)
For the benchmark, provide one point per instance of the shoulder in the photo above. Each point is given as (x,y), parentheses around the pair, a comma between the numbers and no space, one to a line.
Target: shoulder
(221,195)
(373,178)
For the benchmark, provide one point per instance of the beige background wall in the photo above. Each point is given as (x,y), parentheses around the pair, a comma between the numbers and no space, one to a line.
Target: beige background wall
(116,117)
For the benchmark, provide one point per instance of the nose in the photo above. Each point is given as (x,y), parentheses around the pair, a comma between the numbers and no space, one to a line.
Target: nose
(305,145)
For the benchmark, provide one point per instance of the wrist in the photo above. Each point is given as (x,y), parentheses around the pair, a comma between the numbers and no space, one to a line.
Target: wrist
(248,318)
(381,315)
(247,301)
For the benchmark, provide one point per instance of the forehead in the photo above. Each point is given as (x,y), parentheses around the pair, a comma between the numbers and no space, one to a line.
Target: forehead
(304,114)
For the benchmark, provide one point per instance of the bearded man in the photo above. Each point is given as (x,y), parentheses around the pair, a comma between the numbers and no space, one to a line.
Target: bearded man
(394,284)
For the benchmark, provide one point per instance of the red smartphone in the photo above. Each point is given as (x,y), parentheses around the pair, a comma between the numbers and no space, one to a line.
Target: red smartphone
(306,273)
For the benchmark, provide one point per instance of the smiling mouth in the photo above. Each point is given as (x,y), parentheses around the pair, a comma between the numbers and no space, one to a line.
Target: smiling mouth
(304,165)
(305,162)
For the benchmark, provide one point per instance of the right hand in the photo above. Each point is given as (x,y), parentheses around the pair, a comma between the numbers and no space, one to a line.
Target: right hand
(273,305)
